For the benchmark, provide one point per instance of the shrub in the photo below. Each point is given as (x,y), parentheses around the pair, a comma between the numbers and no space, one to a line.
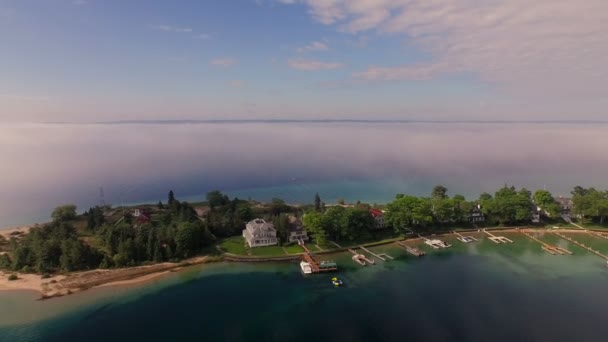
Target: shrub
(12,277)
(46,276)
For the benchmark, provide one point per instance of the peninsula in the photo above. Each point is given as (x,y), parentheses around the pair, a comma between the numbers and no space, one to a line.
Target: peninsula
(122,245)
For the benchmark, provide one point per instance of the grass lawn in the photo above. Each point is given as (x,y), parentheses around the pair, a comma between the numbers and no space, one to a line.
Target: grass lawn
(294,249)
(234,245)
(268,251)
(379,236)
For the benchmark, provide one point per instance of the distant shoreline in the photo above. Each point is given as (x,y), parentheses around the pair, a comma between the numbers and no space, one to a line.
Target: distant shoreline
(325,121)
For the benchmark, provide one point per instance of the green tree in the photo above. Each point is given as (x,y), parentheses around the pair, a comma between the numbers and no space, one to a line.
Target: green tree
(544,200)
(315,226)
(317,202)
(5,262)
(216,199)
(407,212)
(64,213)
(439,192)
(171,198)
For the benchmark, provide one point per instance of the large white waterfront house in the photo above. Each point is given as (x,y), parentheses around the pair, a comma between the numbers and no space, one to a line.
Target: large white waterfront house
(260,233)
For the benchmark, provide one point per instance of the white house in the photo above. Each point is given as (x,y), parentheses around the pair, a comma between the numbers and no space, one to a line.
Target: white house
(260,233)
(296,230)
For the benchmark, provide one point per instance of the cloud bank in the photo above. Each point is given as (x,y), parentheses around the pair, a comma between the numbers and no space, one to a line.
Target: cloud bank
(46,165)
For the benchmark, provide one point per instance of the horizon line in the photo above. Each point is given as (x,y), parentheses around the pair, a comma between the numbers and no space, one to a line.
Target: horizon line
(278,121)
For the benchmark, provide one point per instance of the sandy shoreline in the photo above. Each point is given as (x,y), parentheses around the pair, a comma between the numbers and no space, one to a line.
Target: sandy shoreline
(61,285)
(8,232)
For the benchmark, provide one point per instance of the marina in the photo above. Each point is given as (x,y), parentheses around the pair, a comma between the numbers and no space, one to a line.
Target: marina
(497,239)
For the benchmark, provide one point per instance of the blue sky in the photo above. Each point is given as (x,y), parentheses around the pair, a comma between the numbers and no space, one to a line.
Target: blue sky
(93,60)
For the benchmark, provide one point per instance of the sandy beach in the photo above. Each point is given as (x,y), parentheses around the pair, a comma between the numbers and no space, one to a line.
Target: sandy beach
(61,285)
(8,232)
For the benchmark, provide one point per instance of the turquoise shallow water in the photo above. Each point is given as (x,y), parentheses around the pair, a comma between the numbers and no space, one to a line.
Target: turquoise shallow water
(476,292)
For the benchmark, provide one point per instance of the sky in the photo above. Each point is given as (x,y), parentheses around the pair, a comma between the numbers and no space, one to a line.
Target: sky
(106,60)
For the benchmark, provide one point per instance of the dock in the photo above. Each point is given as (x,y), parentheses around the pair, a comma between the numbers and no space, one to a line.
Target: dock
(581,245)
(551,249)
(497,239)
(435,243)
(465,239)
(597,234)
(382,256)
(412,250)
(316,267)
(361,259)
(335,244)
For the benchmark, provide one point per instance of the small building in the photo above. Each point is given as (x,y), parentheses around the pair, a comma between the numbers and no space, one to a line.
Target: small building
(378,218)
(142,216)
(565,205)
(259,233)
(296,230)
(476,215)
(536,211)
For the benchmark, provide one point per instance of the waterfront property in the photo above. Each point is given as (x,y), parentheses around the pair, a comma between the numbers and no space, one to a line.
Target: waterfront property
(296,231)
(258,233)
(378,218)
(476,215)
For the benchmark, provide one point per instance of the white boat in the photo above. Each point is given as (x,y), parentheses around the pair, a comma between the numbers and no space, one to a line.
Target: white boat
(437,244)
(306,268)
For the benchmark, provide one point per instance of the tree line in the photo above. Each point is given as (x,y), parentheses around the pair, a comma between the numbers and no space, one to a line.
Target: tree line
(175,230)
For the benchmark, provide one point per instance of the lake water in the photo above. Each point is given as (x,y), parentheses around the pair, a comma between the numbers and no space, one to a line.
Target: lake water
(44,165)
(475,292)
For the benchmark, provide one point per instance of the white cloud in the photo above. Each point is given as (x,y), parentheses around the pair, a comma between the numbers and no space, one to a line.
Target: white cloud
(543,46)
(314,46)
(224,62)
(169,28)
(313,65)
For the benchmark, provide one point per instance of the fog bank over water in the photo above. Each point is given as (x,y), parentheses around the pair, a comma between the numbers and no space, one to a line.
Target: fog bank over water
(44,165)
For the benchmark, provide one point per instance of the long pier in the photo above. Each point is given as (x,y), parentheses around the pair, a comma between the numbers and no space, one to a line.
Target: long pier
(360,257)
(412,250)
(596,234)
(581,245)
(497,239)
(381,256)
(553,250)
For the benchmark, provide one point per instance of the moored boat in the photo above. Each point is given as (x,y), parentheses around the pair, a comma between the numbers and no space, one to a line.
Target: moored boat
(306,267)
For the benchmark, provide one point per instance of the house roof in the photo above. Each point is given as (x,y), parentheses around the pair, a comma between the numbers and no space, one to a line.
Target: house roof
(259,225)
(376,212)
